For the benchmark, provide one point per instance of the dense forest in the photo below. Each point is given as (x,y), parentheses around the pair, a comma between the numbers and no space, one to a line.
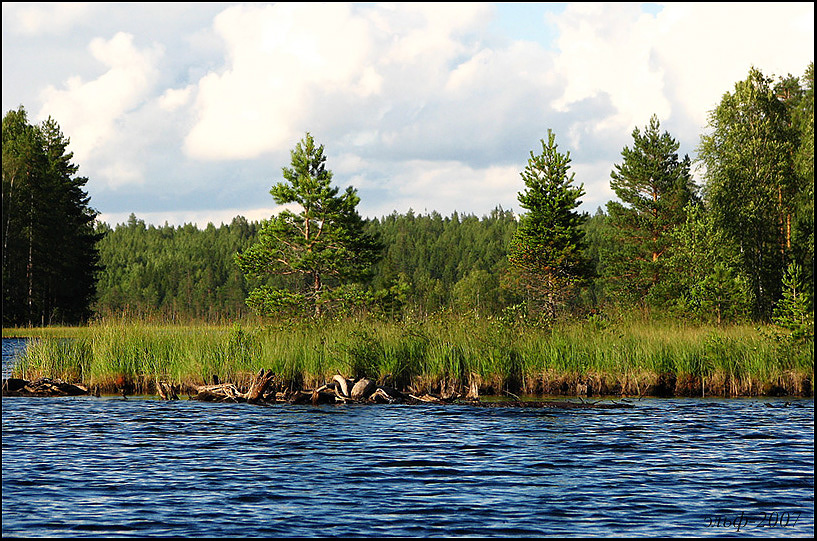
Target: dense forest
(183,273)
(738,247)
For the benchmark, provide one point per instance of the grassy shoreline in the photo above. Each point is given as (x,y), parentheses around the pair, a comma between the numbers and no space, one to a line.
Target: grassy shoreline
(444,354)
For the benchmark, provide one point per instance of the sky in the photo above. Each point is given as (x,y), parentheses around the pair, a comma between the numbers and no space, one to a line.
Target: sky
(187,112)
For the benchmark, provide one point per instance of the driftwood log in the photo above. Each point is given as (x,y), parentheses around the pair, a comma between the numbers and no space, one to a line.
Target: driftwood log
(265,389)
(41,387)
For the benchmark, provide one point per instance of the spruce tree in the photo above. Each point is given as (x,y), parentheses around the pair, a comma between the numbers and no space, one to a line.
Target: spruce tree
(49,244)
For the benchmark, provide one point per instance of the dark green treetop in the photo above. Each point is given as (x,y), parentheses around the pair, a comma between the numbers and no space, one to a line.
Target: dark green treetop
(49,245)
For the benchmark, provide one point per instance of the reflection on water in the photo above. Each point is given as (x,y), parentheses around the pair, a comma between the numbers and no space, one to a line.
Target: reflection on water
(690,467)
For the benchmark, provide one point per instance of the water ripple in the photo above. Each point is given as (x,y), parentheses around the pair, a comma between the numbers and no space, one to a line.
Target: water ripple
(102,467)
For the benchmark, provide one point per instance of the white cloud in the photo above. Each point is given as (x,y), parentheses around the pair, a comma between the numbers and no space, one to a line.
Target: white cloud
(321,67)
(606,48)
(444,186)
(708,47)
(419,105)
(88,110)
(37,18)
(677,63)
(280,59)
(174,98)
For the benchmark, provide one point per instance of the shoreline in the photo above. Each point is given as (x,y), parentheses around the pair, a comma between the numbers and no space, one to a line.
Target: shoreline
(435,394)
(444,357)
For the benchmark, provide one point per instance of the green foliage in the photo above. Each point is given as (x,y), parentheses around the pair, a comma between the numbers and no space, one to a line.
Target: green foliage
(703,279)
(750,182)
(800,103)
(792,311)
(49,245)
(324,243)
(182,273)
(547,250)
(174,273)
(427,255)
(477,291)
(392,300)
(653,186)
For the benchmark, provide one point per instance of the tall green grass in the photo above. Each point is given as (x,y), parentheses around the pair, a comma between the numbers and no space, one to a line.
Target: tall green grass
(443,353)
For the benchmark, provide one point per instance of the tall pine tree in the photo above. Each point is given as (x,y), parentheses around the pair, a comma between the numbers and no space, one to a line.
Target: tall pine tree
(653,186)
(547,250)
(322,246)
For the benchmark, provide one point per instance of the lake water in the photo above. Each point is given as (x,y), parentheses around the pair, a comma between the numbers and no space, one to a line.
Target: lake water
(109,466)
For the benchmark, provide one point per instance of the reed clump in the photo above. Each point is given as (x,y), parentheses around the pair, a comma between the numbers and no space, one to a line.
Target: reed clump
(446,354)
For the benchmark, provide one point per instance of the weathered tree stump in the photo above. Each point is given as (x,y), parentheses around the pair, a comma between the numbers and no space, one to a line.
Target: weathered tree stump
(166,391)
(259,385)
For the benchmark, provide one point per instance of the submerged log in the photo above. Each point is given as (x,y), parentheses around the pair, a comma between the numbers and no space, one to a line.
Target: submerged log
(217,393)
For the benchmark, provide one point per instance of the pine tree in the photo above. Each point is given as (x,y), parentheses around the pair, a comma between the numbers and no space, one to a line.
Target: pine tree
(49,244)
(323,245)
(793,310)
(547,249)
(653,187)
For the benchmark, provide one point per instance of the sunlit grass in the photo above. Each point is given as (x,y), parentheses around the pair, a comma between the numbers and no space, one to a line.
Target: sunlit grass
(442,352)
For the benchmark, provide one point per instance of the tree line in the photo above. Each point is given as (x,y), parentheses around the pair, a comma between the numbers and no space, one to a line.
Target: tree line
(739,246)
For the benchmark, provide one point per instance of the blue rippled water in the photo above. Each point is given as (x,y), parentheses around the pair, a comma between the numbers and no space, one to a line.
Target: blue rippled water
(142,467)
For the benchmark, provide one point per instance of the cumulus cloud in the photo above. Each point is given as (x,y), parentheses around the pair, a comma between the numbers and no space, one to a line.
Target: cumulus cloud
(708,47)
(331,67)
(676,63)
(174,98)
(607,48)
(419,105)
(278,57)
(89,110)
